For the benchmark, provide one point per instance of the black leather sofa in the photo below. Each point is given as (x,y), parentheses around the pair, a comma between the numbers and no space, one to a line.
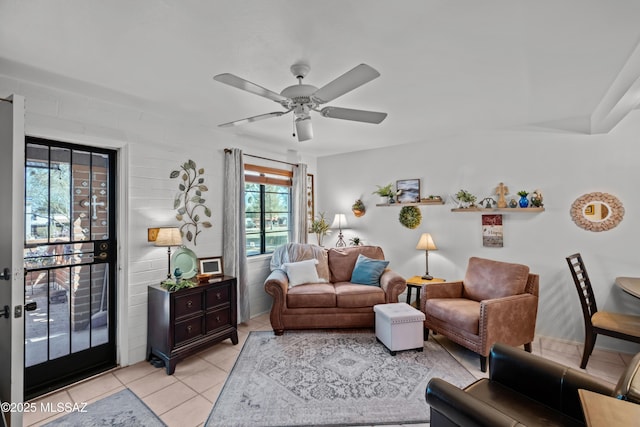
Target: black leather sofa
(523,390)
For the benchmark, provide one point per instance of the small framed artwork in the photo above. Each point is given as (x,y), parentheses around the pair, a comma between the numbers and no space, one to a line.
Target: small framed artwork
(211,266)
(409,190)
(310,202)
(492,233)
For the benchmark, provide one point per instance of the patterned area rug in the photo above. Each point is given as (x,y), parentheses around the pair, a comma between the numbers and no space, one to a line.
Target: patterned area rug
(120,409)
(324,379)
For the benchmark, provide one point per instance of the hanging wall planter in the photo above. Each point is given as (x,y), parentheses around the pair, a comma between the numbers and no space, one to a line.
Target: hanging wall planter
(358,208)
(410,216)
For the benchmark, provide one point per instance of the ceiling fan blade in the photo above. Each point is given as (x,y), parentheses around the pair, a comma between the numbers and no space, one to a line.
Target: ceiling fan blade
(304,130)
(243,84)
(351,114)
(254,118)
(347,82)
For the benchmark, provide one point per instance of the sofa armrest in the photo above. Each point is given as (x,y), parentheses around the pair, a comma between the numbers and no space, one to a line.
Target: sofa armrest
(393,284)
(542,379)
(510,320)
(443,290)
(439,290)
(277,283)
(462,409)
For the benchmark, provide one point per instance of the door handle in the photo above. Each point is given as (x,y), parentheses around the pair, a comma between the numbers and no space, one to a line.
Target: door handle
(6,274)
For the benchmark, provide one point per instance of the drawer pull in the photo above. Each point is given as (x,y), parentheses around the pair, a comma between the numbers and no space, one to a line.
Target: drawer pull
(218,319)
(219,295)
(189,328)
(189,303)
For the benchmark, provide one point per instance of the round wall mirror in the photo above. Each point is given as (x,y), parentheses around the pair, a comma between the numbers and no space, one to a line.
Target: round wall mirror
(597,211)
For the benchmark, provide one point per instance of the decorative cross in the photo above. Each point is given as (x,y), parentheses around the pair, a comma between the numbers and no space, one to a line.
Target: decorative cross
(501,190)
(94,204)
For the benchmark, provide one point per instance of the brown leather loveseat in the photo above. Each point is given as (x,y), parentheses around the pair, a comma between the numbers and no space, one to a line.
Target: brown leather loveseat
(333,301)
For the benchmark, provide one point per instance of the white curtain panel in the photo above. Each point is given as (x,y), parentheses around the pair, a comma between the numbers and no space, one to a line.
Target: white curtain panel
(233,249)
(299,204)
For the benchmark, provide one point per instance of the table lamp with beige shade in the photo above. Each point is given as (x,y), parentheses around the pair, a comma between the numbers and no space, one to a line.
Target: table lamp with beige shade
(168,237)
(426,244)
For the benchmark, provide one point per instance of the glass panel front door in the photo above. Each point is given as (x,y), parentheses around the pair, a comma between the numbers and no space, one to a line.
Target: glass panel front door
(69,260)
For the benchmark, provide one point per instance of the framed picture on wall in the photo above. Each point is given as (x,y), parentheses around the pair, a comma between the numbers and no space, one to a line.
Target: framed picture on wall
(492,234)
(310,201)
(409,190)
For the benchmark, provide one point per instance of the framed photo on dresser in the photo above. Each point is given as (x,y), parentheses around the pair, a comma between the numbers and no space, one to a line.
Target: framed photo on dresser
(211,266)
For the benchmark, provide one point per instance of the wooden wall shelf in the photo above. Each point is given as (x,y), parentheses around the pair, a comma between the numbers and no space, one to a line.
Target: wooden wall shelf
(429,202)
(511,210)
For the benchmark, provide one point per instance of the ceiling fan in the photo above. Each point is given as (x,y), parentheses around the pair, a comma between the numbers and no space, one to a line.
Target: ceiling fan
(301,99)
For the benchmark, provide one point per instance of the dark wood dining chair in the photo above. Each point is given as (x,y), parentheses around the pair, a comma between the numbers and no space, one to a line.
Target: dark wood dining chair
(623,326)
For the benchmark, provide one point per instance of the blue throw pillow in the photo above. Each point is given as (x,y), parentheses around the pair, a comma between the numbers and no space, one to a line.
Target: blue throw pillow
(367,271)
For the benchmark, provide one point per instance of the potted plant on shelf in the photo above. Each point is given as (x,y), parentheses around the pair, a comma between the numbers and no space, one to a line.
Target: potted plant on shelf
(466,198)
(320,227)
(384,192)
(524,202)
(358,208)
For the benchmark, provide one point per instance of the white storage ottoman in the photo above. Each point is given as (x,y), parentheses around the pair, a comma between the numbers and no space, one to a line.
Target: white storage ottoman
(399,326)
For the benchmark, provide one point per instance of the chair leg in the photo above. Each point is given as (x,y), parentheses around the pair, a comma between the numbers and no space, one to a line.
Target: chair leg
(589,344)
(527,347)
(425,334)
(483,363)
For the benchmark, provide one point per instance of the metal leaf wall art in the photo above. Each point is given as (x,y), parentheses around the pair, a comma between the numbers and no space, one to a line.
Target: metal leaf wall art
(189,201)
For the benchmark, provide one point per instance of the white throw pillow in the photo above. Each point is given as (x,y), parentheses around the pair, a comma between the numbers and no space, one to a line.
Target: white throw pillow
(301,272)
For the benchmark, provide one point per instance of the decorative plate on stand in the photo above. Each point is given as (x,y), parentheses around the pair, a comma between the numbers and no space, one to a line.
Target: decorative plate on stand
(186,260)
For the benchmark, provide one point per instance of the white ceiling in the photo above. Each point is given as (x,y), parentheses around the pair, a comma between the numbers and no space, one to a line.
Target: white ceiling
(446,66)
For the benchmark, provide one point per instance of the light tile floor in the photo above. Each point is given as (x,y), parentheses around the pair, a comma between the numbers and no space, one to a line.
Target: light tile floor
(186,398)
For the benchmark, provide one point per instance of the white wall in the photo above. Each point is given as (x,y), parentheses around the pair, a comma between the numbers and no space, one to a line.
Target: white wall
(151,143)
(563,165)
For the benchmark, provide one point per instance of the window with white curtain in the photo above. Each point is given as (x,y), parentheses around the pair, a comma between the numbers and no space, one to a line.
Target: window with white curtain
(267,208)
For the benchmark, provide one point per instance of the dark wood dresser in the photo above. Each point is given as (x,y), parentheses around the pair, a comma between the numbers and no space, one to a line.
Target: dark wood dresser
(184,322)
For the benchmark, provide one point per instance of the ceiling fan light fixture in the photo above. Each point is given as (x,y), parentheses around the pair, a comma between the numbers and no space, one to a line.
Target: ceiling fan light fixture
(300,70)
(301,111)
(301,99)
(304,129)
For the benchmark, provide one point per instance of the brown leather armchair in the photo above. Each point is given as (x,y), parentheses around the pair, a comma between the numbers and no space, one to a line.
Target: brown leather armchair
(524,390)
(496,302)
